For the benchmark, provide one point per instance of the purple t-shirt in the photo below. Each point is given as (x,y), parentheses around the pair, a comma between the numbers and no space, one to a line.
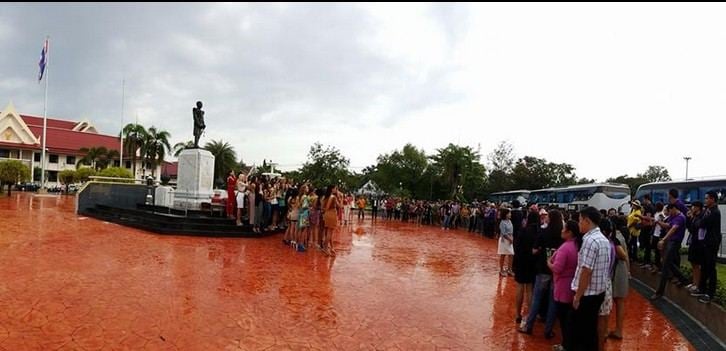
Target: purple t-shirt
(681,206)
(680,221)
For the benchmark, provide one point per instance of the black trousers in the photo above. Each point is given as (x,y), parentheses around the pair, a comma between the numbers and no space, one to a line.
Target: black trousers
(584,323)
(633,248)
(671,265)
(564,314)
(654,244)
(645,243)
(707,285)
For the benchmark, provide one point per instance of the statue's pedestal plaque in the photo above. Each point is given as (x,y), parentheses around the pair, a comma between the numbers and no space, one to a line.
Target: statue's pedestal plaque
(195,179)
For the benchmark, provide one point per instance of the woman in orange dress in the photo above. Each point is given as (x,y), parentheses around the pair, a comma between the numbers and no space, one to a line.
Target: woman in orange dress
(330,218)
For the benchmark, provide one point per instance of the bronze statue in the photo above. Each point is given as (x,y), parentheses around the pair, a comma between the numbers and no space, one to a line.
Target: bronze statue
(198,123)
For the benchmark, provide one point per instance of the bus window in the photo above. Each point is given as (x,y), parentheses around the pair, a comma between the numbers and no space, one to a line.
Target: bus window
(640,193)
(689,195)
(565,197)
(660,196)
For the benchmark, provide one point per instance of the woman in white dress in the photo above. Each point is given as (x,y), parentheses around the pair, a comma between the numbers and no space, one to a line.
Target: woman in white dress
(506,238)
(241,188)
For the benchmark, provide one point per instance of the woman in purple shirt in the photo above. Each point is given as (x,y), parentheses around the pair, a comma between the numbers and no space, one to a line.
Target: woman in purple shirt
(563,264)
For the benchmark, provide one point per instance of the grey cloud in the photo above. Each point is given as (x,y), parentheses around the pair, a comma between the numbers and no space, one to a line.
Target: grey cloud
(258,68)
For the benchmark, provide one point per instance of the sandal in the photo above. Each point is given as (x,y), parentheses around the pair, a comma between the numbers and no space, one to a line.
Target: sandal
(612,335)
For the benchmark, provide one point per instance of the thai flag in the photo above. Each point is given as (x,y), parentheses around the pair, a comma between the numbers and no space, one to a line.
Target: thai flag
(43,60)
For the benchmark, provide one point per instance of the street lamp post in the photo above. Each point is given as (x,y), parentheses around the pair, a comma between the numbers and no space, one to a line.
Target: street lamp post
(687,158)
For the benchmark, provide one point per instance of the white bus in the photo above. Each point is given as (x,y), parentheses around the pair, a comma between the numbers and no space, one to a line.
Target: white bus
(690,191)
(509,196)
(602,196)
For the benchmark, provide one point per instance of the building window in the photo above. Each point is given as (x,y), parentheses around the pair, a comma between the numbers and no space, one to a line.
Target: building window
(36,157)
(70,160)
(127,164)
(4,153)
(52,176)
(53,159)
(116,163)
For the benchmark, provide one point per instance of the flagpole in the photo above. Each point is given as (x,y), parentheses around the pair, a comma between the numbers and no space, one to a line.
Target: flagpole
(45,114)
(121,149)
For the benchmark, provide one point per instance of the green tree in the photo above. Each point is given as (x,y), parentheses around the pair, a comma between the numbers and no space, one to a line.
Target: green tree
(460,171)
(325,166)
(502,158)
(501,162)
(295,176)
(134,137)
(67,177)
(655,174)
(224,158)
(179,147)
(401,169)
(117,172)
(83,174)
(651,174)
(584,180)
(12,172)
(537,173)
(155,147)
(97,157)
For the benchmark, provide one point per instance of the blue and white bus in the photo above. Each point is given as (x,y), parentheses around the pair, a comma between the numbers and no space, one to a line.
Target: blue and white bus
(690,191)
(509,196)
(602,196)
(576,197)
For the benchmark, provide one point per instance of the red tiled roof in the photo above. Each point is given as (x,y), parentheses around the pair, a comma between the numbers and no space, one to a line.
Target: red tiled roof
(70,142)
(52,123)
(62,138)
(169,168)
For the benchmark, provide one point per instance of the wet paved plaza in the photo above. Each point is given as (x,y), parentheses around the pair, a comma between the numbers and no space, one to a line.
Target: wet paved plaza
(75,283)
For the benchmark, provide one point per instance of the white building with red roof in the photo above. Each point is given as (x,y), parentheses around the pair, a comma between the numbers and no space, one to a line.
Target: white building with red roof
(21,139)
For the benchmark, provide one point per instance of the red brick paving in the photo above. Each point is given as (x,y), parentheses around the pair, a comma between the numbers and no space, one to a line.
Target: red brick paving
(74,283)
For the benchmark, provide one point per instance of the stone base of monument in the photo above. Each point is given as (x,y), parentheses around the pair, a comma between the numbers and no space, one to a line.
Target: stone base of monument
(195,179)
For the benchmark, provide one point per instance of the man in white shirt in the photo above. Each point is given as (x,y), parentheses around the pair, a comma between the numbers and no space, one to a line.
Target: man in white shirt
(590,280)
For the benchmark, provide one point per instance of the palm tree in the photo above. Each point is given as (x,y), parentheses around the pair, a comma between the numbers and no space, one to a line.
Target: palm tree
(93,156)
(454,163)
(179,147)
(225,158)
(134,137)
(97,157)
(155,147)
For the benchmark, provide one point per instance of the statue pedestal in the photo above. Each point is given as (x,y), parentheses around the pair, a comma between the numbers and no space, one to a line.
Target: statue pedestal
(195,179)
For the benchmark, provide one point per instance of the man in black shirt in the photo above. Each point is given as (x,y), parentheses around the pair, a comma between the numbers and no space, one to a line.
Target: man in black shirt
(710,235)
(517,217)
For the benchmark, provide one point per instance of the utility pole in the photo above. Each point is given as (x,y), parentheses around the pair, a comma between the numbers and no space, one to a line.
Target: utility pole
(687,158)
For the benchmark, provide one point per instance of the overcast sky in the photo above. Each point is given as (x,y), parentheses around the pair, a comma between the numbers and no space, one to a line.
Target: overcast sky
(604,87)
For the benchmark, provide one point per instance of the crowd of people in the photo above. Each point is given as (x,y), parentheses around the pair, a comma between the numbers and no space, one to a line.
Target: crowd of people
(308,215)
(659,231)
(575,266)
(568,266)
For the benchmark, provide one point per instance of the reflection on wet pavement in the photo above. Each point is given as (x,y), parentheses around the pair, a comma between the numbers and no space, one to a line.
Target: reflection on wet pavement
(71,282)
